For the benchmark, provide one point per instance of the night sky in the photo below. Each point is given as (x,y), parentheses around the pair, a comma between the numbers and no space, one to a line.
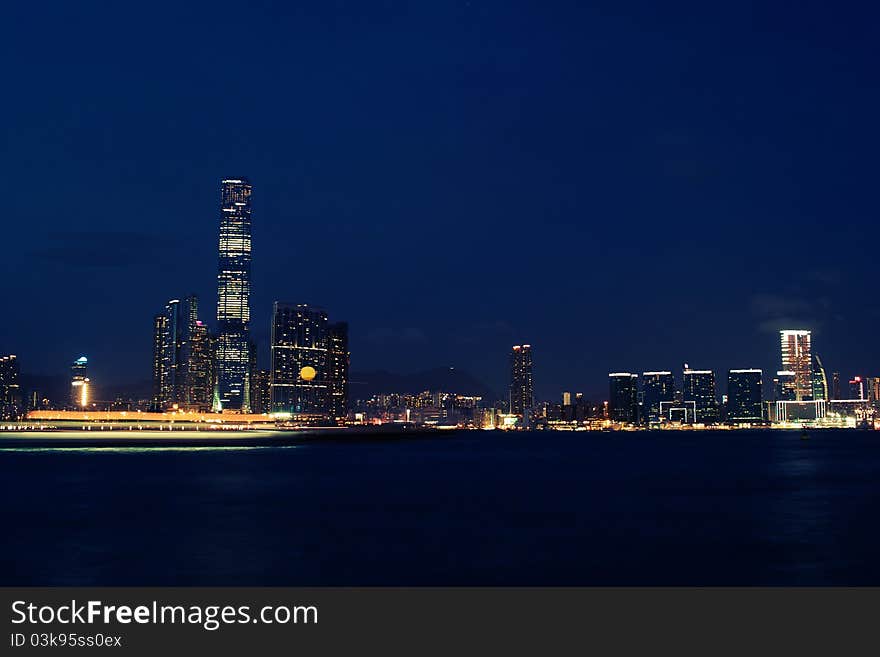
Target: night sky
(624,185)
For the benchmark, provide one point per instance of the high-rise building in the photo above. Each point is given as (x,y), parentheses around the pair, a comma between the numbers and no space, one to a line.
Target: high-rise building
(339,361)
(835,385)
(820,381)
(698,386)
(521,396)
(784,386)
(167,368)
(797,357)
(300,382)
(857,388)
(182,367)
(233,294)
(657,387)
(623,405)
(79,384)
(745,399)
(261,399)
(10,388)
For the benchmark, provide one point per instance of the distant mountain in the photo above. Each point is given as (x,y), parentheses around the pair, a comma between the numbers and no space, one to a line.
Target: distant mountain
(443,379)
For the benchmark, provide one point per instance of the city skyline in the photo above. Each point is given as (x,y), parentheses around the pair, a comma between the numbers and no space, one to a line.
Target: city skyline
(529,194)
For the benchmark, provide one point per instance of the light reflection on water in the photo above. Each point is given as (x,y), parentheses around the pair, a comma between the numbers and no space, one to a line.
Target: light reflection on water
(136,450)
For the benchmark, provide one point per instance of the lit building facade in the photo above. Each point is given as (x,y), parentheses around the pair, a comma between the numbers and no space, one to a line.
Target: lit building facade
(623,405)
(182,358)
(745,397)
(820,380)
(521,385)
(797,357)
(80,384)
(300,380)
(657,387)
(698,386)
(233,295)
(10,388)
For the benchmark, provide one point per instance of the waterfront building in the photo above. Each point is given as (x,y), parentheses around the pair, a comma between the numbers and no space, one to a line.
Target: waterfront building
(79,384)
(623,405)
(300,380)
(857,388)
(339,360)
(261,399)
(521,390)
(784,388)
(233,294)
(820,380)
(745,398)
(657,387)
(797,358)
(10,388)
(698,386)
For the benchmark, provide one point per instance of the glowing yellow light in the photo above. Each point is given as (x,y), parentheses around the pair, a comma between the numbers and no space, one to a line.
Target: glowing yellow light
(308,373)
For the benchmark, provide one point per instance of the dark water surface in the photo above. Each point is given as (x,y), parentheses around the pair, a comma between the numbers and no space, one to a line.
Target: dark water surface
(471,508)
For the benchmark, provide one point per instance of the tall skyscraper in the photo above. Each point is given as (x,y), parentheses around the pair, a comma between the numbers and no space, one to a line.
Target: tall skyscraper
(623,405)
(698,386)
(745,396)
(233,294)
(339,362)
(521,392)
(10,388)
(79,384)
(835,384)
(300,382)
(797,357)
(657,387)
(166,356)
(820,380)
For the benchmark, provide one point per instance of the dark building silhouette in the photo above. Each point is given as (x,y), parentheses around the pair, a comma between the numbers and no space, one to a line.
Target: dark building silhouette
(745,399)
(233,295)
(698,387)
(11,407)
(657,387)
(623,403)
(521,385)
(261,398)
(339,359)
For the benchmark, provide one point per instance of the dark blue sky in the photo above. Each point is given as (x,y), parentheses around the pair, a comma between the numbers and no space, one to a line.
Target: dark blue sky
(623,185)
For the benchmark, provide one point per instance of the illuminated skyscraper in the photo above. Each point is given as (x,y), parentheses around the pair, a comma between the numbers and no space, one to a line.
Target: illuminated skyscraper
(698,386)
(10,388)
(300,382)
(521,396)
(623,405)
(797,357)
(745,396)
(79,384)
(339,360)
(166,356)
(233,294)
(182,367)
(657,387)
(820,380)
